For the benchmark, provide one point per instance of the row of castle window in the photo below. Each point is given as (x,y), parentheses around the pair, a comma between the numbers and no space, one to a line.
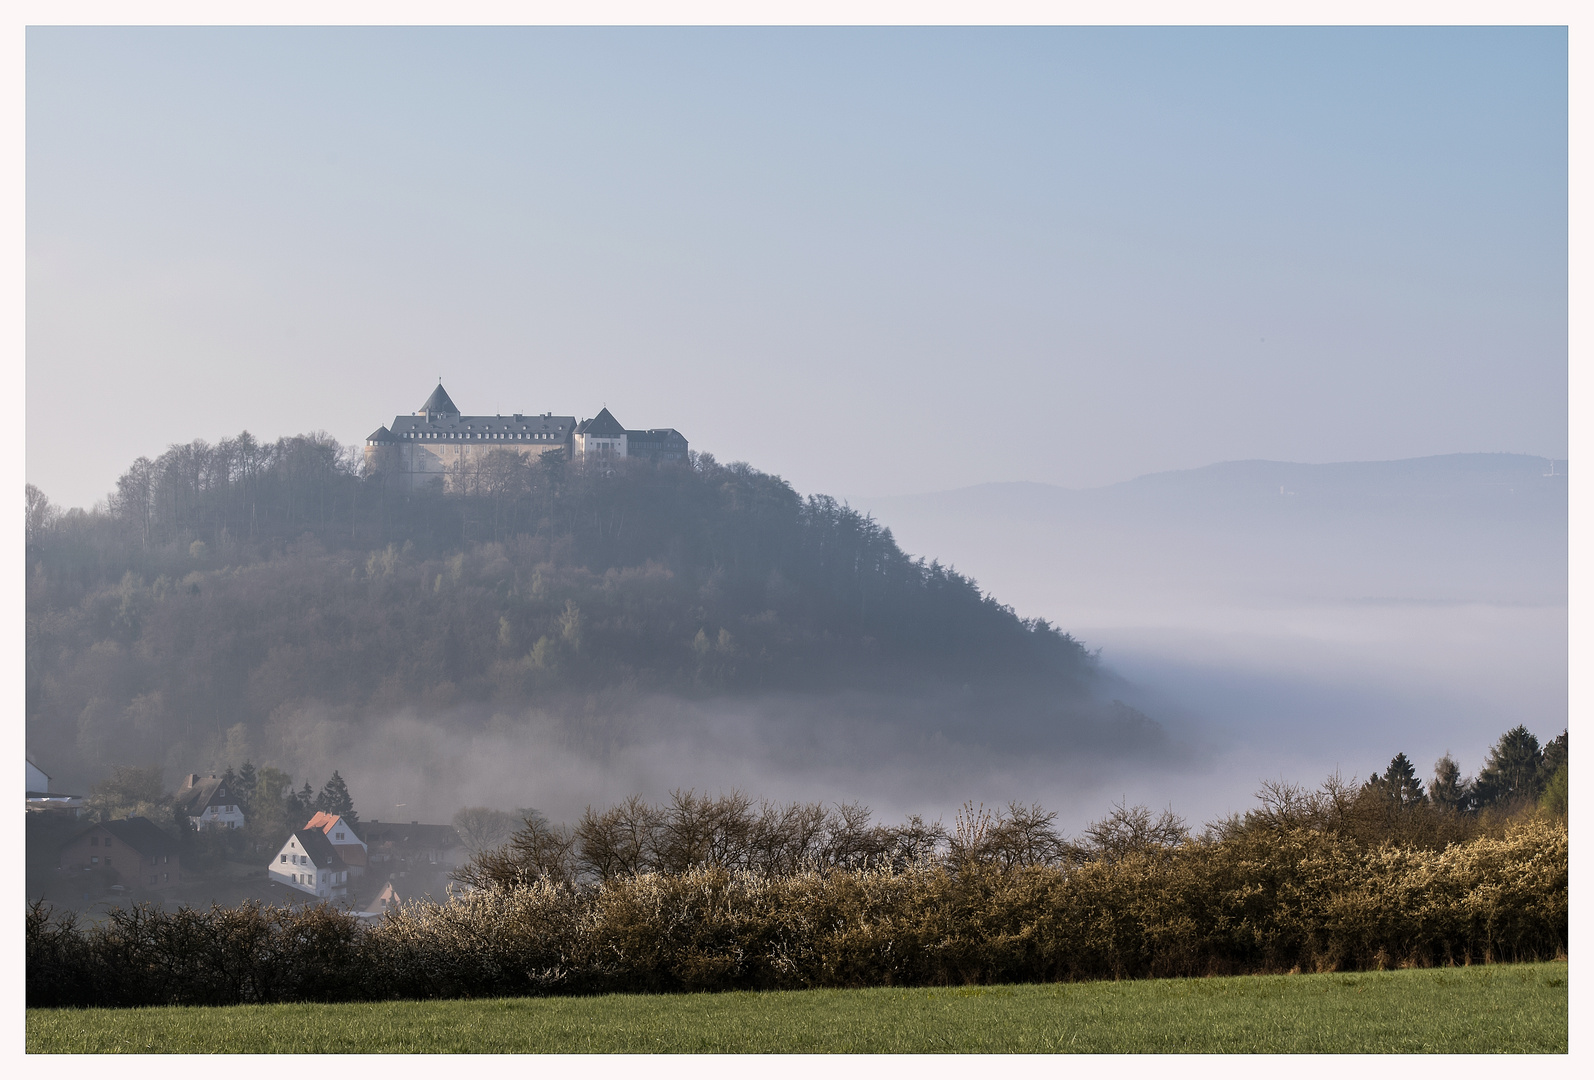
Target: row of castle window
(476,435)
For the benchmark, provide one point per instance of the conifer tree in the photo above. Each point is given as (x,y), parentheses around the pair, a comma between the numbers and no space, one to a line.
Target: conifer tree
(1400,782)
(335,799)
(1512,771)
(1554,755)
(1450,790)
(301,805)
(245,788)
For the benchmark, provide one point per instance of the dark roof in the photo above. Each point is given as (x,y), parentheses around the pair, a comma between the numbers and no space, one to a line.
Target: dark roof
(659,435)
(412,835)
(315,844)
(139,833)
(440,402)
(381,434)
(602,424)
(520,423)
(198,792)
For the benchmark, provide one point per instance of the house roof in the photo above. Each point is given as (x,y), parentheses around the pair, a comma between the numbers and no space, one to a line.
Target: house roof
(439,402)
(199,792)
(602,424)
(323,856)
(139,833)
(326,822)
(412,835)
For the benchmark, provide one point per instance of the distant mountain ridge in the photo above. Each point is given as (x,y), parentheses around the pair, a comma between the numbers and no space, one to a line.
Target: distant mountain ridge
(1446,527)
(1426,479)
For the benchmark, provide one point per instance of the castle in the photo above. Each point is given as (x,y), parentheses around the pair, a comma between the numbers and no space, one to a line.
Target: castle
(437,443)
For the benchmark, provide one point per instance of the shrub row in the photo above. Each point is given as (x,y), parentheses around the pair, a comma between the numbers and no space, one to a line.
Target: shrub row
(1261,901)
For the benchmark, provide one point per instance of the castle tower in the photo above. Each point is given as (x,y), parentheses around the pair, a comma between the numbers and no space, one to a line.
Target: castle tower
(439,406)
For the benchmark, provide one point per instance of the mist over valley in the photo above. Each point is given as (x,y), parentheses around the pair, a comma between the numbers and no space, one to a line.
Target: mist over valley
(571,638)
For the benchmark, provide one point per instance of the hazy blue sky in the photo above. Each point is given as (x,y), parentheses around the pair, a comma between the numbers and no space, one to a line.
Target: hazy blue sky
(873,261)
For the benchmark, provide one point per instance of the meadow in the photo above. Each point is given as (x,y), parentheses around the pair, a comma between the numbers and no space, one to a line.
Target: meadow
(1498,1008)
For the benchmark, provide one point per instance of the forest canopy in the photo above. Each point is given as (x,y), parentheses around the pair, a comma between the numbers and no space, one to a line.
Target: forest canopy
(219,584)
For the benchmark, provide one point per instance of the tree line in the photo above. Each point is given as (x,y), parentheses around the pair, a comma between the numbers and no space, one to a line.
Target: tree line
(1309,881)
(691,831)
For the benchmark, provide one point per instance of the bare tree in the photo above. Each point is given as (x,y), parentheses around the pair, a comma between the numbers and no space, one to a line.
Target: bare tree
(483,828)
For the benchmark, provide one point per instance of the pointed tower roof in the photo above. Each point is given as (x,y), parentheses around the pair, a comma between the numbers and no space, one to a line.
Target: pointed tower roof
(602,424)
(439,404)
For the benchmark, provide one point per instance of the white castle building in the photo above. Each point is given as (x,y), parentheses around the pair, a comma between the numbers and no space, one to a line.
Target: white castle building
(440,444)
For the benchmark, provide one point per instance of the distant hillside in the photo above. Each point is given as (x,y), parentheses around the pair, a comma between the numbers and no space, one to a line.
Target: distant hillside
(223,586)
(1456,527)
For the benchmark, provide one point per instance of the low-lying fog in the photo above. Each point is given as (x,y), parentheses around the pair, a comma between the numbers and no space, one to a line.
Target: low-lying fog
(1277,620)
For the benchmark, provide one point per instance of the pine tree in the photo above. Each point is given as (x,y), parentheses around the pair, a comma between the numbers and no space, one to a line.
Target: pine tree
(301,805)
(1554,755)
(1401,783)
(335,799)
(1512,771)
(1450,790)
(245,789)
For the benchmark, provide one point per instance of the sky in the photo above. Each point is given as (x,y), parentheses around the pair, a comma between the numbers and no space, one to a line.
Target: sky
(874,261)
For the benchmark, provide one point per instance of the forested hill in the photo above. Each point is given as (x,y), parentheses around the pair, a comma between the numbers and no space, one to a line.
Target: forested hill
(219,584)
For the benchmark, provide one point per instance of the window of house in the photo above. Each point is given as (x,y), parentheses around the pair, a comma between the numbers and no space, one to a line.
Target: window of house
(107,860)
(152,880)
(94,859)
(284,858)
(166,877)
(107,841)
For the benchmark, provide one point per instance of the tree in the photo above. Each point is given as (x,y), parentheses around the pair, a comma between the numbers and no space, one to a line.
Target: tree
(1450,790)
(131,791)
(335,799)
(1512,771)
(273,813)
(1400,782)
(1554,755)
(482,828)
(301,805)
(245,788)
(41,513)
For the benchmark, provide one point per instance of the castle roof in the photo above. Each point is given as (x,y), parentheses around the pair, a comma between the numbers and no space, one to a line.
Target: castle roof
(439,403)
(381,434)
(546,427)
(602,424)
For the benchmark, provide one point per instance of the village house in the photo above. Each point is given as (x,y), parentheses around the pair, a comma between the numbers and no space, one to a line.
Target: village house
(308,863)
(133,853)
(415,844)
(385,901)
(349,847)
(209,802)
(42,799)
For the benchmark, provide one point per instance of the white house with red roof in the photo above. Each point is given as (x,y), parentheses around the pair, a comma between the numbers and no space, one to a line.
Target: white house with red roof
(345,841)
(307,862)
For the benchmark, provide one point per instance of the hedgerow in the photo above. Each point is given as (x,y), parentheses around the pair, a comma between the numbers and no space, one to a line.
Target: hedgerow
(1253,898)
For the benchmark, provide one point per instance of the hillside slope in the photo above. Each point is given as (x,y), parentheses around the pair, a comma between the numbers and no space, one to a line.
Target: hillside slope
(209,596)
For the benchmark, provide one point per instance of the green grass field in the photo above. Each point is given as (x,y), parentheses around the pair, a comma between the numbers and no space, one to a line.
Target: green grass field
(1505,1008)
